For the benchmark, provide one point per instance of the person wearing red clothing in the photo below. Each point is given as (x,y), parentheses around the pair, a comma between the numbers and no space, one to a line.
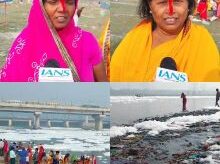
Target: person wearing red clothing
(40,154)
(183,96)
(202,8)
(29,150)
(5,151)
(93,160)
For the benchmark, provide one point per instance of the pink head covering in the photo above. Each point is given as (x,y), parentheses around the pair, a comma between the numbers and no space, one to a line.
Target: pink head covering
(36,45)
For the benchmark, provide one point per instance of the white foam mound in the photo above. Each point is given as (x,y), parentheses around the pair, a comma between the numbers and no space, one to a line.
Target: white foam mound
(120,131)
(211,107)
(68,139)
(215,147)
(155,127)
(208,159)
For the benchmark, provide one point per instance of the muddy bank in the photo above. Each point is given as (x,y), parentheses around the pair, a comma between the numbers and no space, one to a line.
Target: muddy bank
(199,143)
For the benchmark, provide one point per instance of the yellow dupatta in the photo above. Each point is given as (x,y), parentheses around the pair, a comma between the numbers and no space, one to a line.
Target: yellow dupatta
(194,52)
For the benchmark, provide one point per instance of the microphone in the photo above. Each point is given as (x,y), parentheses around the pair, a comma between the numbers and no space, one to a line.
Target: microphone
(168,63)
(167,72)
(53,73)
(52,63)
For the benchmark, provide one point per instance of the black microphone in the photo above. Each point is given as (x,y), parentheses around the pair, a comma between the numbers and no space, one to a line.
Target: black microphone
(51,72)
(52,63)
(167,72)
(168,63)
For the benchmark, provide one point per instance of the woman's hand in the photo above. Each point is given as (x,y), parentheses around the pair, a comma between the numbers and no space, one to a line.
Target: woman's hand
(100,73)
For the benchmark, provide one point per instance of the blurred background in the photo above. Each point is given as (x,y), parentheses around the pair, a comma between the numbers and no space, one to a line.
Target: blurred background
(124,17)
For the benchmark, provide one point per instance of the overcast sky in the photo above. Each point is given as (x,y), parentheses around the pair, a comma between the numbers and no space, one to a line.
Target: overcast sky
(87,93)
(77,93)
(170,86)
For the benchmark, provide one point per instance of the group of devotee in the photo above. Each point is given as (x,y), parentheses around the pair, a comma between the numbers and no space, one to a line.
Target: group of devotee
(15,153)
(208,10)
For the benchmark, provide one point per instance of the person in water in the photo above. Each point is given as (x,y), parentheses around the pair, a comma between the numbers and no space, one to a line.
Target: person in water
(184,101)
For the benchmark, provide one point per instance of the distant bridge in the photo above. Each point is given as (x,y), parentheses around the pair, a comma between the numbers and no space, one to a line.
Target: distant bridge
(38,108)
(49,107)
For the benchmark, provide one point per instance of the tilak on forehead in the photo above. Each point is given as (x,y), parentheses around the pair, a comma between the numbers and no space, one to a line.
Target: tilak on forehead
(170,7)
(63,4)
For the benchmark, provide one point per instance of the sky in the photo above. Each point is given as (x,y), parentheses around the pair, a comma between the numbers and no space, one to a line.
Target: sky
(166,85)
(65,93)
(87,93)
(202,88)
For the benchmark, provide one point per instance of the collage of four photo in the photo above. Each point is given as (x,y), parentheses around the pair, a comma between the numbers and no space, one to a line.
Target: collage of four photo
(109,81)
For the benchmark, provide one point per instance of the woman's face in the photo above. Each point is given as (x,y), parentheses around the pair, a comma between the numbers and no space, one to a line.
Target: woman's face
(171,24)
(58,16)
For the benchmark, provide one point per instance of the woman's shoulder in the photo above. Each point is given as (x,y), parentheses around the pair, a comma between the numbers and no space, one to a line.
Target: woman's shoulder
(143,24)
(200,34)
(83,37)
(88,35)
(142,27)
(199,29)
(91,42)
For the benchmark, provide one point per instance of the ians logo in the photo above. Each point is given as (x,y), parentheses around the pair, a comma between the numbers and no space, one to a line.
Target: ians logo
(55,72)
(170,75)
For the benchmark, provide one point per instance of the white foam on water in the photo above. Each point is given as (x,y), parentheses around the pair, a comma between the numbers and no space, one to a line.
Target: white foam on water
(131,136)
(71,139)
(130,99)
(211,107)
(211,140)
(215,147)
(209,159)
(155,127)
(120,131)
(107,154)
(77,147)
(213,152)
(135,99)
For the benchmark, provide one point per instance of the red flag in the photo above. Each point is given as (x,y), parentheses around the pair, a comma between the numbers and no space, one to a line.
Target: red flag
(170,7)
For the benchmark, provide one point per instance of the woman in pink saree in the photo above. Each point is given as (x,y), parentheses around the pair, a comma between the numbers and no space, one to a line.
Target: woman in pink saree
(51,35)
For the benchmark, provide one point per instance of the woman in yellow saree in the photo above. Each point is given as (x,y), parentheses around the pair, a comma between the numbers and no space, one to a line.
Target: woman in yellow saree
(166,31)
